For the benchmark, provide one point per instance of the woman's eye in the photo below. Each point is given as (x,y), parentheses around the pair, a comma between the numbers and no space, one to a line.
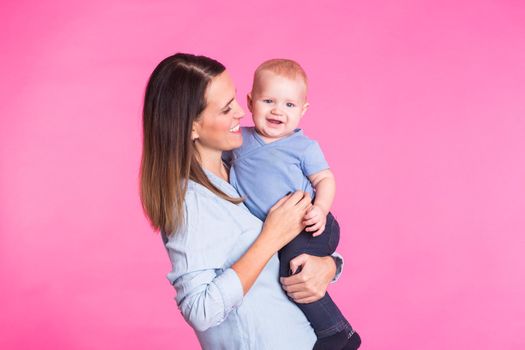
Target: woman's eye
(227,110)
(289,104)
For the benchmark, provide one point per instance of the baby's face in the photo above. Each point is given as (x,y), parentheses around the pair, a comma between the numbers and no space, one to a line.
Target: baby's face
(277,104)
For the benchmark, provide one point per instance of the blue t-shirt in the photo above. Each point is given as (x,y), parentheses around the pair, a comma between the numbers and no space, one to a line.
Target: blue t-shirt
(264,172)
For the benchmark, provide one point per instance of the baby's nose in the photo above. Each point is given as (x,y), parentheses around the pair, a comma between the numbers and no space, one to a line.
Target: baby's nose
(276,110)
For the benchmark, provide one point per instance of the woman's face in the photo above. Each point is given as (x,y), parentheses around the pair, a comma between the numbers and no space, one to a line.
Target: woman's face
(217,128)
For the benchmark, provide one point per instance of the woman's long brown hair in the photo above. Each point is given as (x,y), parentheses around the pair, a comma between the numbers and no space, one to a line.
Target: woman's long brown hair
(174,99)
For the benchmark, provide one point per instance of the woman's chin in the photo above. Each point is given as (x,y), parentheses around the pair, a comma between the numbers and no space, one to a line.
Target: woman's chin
(235,143)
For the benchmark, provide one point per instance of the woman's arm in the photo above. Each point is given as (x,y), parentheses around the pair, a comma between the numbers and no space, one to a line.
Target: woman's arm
(206,291)
(282,224)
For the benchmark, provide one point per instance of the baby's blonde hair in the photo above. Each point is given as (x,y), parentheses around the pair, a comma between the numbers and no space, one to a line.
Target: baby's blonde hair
(283,67)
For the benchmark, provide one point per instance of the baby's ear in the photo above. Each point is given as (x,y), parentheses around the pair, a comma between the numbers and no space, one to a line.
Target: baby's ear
(305,108)
(249,101)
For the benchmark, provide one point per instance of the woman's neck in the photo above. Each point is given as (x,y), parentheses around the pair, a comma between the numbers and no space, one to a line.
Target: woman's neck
(213,163)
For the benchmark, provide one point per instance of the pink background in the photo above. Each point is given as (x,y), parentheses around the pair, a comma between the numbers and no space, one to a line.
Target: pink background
(419,107)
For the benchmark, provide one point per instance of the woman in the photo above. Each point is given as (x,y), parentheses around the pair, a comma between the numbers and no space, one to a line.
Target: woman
(224,263)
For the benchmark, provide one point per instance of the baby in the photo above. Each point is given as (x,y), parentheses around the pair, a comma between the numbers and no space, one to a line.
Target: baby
(277,158)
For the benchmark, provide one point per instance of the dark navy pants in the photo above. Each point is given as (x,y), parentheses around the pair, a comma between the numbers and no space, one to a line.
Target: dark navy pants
(324,316)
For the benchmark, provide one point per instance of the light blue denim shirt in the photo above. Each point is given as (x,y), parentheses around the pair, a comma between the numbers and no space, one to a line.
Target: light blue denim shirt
(214,235)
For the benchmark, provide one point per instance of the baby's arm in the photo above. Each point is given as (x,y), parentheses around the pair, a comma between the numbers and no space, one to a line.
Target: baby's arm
(324,184)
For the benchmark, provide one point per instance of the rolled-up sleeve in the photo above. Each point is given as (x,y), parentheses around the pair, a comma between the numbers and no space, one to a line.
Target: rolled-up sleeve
(207,288)
(210,297)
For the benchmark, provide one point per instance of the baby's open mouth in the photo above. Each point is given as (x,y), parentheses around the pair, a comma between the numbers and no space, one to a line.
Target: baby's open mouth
(274,121)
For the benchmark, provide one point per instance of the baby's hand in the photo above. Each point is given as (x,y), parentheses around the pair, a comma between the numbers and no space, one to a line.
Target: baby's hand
(315,220)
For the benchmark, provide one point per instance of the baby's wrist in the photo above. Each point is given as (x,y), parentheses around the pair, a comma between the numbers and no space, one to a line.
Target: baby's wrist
(325,211)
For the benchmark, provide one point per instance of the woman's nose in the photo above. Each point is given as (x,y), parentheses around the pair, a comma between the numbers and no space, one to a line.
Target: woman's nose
(240,112)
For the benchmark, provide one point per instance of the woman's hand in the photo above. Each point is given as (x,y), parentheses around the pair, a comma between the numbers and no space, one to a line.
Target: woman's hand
(285,219)
(310,284)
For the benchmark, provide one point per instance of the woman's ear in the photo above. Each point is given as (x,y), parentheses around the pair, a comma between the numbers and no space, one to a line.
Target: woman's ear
(194,131)
(249,101)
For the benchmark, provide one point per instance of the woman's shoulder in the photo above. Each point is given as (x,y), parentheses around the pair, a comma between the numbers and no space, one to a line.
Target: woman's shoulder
(200,199)
(204,212)
(196,189)
(207,233)
(203,199)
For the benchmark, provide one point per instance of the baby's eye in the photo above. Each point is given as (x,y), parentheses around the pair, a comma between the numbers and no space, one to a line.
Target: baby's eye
(267,100)
(289,104)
